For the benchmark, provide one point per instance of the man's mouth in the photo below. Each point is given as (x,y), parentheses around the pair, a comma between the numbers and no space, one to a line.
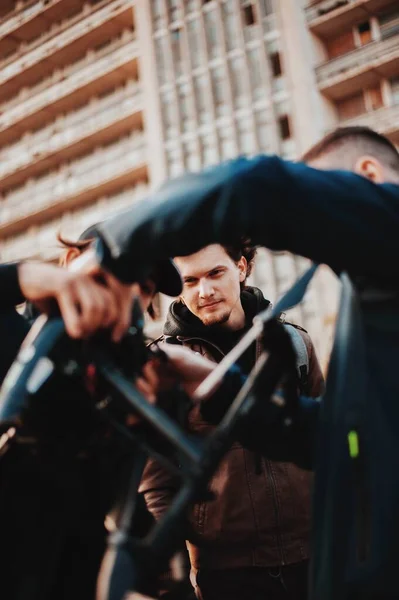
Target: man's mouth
(210,304)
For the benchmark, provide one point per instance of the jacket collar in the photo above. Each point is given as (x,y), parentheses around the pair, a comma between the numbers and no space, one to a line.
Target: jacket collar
(181,323)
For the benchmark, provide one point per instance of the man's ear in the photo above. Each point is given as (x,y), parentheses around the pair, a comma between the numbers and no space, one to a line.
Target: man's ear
(69,255)
(371,168)
(242,267)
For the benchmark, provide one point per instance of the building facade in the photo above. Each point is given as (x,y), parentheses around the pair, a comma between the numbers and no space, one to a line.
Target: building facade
(100,101)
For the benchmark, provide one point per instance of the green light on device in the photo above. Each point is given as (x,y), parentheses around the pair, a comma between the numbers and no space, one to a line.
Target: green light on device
(353,442)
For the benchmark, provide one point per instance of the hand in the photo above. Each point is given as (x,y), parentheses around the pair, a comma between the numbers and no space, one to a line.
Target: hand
(123,295)
(85,305)
(183,366)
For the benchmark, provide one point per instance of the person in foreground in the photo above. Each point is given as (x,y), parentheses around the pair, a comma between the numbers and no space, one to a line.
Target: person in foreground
(342,209)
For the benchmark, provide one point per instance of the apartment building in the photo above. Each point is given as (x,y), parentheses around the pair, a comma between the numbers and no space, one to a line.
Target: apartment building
(72,144)
(102,100)
(357,47)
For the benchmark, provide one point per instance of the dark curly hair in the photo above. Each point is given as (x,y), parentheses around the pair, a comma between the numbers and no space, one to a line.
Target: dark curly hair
(243,249)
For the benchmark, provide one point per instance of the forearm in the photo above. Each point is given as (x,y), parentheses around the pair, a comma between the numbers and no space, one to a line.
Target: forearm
(337,218)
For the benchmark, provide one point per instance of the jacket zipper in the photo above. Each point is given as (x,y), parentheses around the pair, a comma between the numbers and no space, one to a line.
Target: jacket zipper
(272,480)
(267,462)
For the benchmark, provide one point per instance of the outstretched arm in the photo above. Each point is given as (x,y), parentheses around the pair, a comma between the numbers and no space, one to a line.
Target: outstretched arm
(333,217)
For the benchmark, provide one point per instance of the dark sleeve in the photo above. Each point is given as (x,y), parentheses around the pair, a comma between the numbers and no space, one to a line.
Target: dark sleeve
(13,329)
(11,294)
(315,381)
(333,217)
(263,430)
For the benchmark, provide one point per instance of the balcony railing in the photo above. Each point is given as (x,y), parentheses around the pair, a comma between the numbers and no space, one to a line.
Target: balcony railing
(74,128)
(69,81)
(366,58)
(89,172)
(384,120)
(12,67)
(322,8)
(42,242)
(12,21)
(325,15)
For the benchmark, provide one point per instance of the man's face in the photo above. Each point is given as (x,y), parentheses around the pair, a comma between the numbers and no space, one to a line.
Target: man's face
(211,286)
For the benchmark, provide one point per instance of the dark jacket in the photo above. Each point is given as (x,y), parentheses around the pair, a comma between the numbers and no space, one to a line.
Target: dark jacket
(13,327)
(351,224)
(260,515)
(11,294)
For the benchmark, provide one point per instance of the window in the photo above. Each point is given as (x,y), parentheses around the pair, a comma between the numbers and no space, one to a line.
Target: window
(266,7)
(263,131)
(173,10)
(191,156)
(157,13)
(176,39)
(237,73)
(227,143)
(174,162)
(161,53)
(249,15)
(375,100)
(168,115)
(231,25)
(284,127)
(218,79)
(256,71)
(395,90)
(201,93)
(194,42)
(184,106)
(211,30)
(389,23)
(364,30)
(246,137)
(209,151)
(275,61)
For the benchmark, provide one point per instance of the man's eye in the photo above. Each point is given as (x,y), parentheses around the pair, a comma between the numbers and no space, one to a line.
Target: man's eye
(216,273)
(189,282)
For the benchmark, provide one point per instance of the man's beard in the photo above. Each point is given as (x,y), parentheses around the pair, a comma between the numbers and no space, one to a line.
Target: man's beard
(217,319)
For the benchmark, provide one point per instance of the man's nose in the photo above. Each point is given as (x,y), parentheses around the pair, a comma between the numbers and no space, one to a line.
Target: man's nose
(205,288)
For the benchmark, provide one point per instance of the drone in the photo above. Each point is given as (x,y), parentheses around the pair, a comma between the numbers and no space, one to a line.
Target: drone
(56,381)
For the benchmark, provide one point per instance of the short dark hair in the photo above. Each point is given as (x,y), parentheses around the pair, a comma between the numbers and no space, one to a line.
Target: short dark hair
(243,249)
(372,143)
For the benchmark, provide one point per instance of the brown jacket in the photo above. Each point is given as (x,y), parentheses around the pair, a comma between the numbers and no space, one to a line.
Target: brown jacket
(260,514)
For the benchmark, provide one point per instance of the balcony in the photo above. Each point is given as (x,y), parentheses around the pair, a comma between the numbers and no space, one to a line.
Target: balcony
(42,242)
(28,21)
(95,124)
(359,69)
(65,48)
(326,17)
(79,183)
(384,120)
(110,67)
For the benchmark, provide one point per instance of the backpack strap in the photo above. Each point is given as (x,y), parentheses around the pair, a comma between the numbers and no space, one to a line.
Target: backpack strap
(302,357)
